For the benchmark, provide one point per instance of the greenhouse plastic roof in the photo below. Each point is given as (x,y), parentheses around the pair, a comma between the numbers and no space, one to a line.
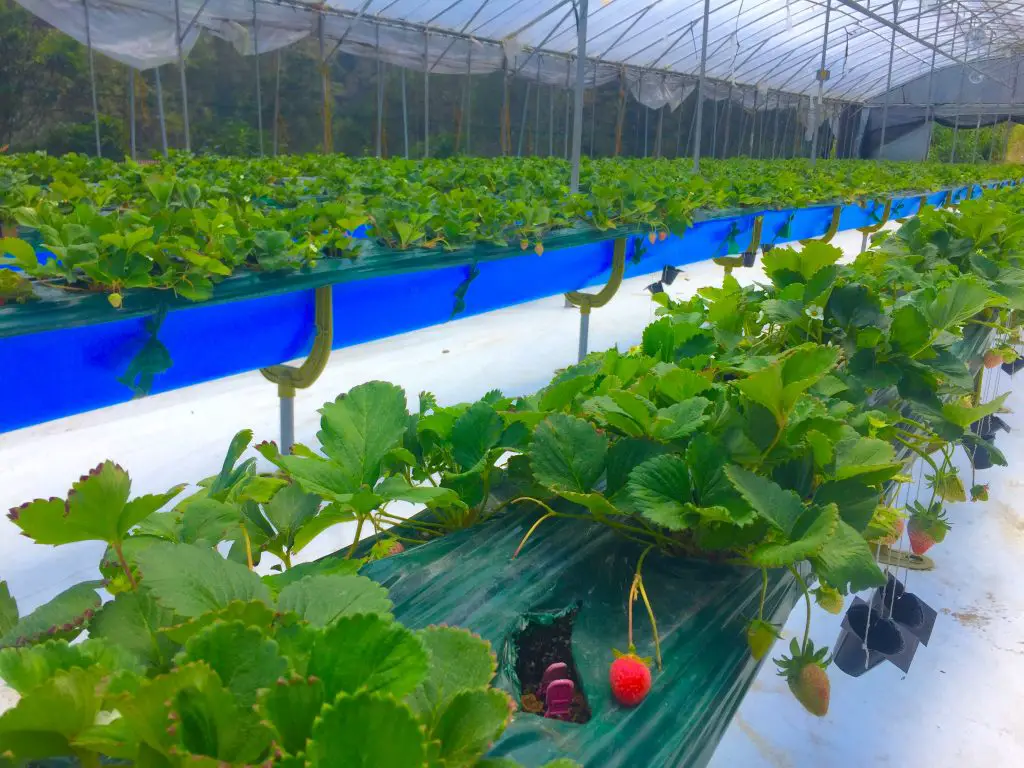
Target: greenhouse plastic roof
(654,45)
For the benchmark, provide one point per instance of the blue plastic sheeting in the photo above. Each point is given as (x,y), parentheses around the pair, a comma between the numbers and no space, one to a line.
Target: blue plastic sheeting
(63,372)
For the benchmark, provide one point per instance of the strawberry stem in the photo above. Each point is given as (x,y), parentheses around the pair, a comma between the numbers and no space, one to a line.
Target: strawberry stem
(124,565)
(807,597)
(764,593)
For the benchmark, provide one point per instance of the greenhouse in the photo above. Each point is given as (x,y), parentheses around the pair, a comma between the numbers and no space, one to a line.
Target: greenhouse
(521,382)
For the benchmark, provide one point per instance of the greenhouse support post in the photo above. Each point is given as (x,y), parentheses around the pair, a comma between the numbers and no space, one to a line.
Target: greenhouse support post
(180,38)
(888,80)
(551,120)
(960,90)
(131,108)
(536,115)
(822,75)
(581,70)
(160,111)
(259,87)
(426,93)
(277,97)
(468,119)
(568,111)
(928,117)
(658,132)
(405,116)
(593,110)
(1009,110)
(698,120)
(92,79)
(522,120)
(380,97)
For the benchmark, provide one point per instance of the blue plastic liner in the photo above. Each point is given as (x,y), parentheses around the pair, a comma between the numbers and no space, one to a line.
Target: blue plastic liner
(73,370)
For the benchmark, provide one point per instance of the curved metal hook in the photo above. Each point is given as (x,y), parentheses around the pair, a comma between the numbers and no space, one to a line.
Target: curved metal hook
(885,219)
(587,301)
(289,378)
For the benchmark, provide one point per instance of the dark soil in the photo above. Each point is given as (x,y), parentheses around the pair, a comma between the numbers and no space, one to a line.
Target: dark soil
(538,647)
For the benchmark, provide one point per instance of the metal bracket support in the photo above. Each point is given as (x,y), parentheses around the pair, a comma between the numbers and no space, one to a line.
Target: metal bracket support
(833,227)
(587,301)
(870,230)
(745,259)
(289,378)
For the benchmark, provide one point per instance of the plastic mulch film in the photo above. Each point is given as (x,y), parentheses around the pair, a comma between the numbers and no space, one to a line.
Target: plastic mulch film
(571,568)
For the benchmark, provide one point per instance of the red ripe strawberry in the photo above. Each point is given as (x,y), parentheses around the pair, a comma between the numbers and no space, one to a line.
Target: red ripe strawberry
(805,674)
(928,526)
(992,359)
(630,678)
(761,637)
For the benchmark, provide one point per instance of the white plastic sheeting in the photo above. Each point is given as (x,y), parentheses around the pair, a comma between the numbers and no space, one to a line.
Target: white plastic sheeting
(654,45)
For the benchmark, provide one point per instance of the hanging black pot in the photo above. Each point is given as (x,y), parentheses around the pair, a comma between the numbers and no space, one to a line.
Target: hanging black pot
(892,590)
(749,258)
(987,426)
(1012,368)
(912,613)
(980,456)
(883,640)
(908,610)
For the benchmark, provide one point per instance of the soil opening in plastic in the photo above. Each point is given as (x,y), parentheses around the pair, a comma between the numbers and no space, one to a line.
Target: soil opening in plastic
(541,644)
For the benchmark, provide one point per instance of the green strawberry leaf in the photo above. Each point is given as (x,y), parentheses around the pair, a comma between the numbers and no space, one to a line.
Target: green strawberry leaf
(459,661)
(846,562)
(64,616)
(244,659)
(132,620)
(291,706)
(360,427)
(865,456)
(321,600)
(471,722)
(660,489)
(779,507)
(567,453)
(8,610)
(680,420)
(368,652)
(772,555)
(96,509)
(191,580)
(370,730)
(474,433)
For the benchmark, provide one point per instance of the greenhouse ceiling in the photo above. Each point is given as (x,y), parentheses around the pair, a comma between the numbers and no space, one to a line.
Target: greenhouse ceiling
(769,45)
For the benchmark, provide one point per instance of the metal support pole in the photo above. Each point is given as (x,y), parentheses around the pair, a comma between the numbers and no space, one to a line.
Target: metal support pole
(131,108)
(593,110)
(405,116)
(92,80)
(325,92)
(181,71)
(960,91)
(536,115)
(700,86)
(588,301)
(287,422)
(380,100)
(426,94)
(581,351)
(659,133)
(928,119)
(974,146)
(1009,111)
(259,86)
(728,121)
(888,81)
(469,97)
(822,75)
(775,126)
(160,112)
(522,121)
(714,130)
(277,97)
(551,121)
(568,114)
(753,126)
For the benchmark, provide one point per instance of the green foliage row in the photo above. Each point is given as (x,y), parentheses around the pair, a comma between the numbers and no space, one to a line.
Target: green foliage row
(766,425)
(189,222)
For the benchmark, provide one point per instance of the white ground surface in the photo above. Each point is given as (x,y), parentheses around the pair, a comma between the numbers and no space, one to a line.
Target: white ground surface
(958,706)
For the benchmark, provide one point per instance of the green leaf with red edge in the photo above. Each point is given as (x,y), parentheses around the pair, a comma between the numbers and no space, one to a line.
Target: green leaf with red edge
(63,617)
(291,706)
(243,657)
(96,509)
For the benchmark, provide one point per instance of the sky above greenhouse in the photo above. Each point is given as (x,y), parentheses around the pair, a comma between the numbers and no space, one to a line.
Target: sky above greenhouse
(764,45)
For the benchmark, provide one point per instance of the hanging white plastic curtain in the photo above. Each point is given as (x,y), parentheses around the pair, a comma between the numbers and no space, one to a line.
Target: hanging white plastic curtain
(772,44)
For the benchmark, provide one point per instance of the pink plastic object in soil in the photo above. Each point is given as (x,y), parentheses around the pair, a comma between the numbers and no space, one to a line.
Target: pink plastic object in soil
(558,699)
(557,671)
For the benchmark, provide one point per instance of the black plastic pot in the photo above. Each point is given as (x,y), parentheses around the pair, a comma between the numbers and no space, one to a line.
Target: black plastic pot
(1012,368)
(908,610)
(884,640)
(892,590)
(987,427)
(980,457)
(749,258)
